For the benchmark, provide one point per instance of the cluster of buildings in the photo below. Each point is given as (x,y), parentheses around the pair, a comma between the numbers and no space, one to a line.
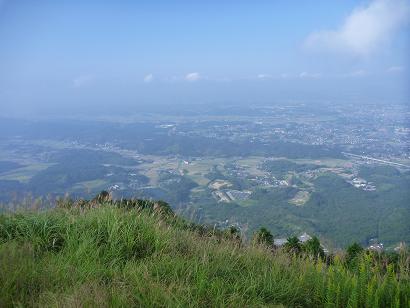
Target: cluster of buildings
(355,127)
(375,245)
(229,195)
(362,184)
(279,242)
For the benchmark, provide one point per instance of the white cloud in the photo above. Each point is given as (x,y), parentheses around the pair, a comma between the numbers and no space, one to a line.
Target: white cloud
(264,76)
(285,76)
(309,75)
(148,78)
(395,69)
(83,80)
(192,76)
(358,73)
(365,29)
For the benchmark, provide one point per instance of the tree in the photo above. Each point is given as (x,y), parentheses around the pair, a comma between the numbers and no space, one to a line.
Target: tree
(234,234)
(263,237)
(293,245)
(103,196)
(314,249)
(352,253)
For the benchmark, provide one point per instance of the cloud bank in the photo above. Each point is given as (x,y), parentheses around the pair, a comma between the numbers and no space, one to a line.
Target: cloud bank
(264,76)
(83,80)
(309,75)
(395,69)
(192,76)
(365,29)
(148,78)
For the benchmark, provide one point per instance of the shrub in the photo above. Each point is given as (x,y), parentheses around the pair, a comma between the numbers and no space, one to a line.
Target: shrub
(263,237)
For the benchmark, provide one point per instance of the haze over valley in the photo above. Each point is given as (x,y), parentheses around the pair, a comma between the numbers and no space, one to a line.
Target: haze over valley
(340,172)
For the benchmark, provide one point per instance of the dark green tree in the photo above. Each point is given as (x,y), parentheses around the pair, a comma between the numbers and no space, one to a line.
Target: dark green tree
(293,245)
(103,196)
(234,234)
(313,248)
(263,237)
(352,254)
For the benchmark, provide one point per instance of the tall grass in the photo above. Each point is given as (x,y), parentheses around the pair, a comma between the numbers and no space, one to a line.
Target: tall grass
(111,256)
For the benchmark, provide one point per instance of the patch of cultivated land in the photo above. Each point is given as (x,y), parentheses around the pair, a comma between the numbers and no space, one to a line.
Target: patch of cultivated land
(153,164)
(328,162)
(218,184)
(199,179)
(91,185)
(24,174)
(196,169)
(251,164)
(300,198)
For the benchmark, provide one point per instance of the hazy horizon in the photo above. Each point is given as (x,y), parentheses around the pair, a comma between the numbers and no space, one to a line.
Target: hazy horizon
(74,57)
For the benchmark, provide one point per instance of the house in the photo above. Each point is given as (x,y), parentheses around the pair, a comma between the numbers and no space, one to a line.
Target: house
(279,242)
(400,247)
(376,247)
(304,237)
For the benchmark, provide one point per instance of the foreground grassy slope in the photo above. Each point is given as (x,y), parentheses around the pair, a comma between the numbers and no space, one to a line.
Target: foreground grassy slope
(102,254)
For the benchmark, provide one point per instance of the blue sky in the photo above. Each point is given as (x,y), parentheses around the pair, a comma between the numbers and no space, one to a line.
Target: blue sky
(78,55)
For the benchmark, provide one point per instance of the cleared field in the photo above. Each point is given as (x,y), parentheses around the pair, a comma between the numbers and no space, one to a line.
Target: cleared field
(153,164)
(247,203)
(24,174)
(328,162)
(218,184)
(89,186)
(251,164)
(196,170)
(300,198)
